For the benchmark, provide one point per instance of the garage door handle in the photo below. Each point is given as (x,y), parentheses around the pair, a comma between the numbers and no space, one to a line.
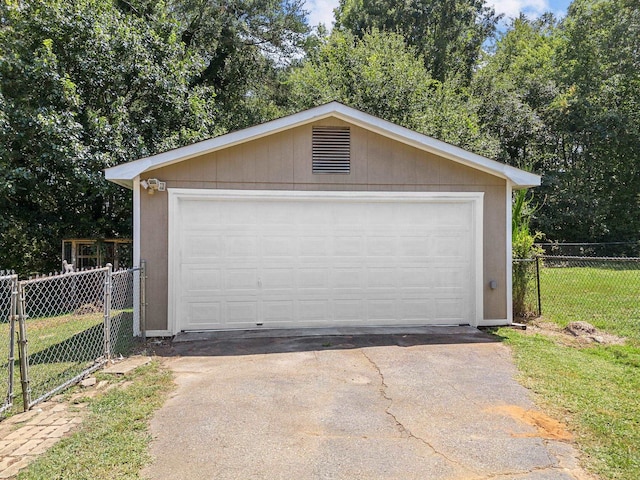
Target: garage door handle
(259,283)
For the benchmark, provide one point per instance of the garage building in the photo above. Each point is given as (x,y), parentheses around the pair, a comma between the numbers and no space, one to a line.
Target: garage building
(328,217)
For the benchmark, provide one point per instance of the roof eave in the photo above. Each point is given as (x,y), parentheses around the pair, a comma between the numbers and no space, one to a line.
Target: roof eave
(125,173)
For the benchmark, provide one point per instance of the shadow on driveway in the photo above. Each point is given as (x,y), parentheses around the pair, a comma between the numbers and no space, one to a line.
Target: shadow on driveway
(282,341)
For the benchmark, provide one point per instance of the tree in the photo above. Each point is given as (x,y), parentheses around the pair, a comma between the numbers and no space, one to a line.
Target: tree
(595,194)
(89,84)
(515,86)
(244,45)
(563,98)
(447,34)
(85,86)
(379,74)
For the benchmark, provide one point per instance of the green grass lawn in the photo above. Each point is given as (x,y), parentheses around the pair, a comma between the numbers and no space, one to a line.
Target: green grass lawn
(113,440)
(608,299)
(61,348)
(595,389)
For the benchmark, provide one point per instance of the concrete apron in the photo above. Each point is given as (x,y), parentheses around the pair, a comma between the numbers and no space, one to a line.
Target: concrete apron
(401,406)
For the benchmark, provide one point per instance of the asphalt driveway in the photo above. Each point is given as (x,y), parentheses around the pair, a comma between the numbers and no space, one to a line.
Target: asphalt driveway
(421,404)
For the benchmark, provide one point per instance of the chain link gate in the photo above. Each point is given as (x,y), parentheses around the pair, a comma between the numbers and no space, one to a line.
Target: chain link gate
(69,326)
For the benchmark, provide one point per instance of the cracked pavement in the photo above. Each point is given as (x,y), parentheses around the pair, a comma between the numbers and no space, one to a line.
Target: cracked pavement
(436,404)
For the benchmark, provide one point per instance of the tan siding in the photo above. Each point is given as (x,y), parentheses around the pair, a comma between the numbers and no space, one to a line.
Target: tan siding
(283,162)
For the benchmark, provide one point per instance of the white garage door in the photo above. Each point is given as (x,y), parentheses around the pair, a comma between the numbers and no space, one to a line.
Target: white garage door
(257,259)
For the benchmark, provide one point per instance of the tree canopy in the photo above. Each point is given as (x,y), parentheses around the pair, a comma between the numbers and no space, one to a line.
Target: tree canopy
(446,34)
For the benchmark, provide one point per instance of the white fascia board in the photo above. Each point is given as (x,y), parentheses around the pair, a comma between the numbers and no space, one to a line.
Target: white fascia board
(518,177)
(127,171)
(124,174)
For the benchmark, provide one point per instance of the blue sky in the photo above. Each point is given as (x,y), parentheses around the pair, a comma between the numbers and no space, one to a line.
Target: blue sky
(321,11)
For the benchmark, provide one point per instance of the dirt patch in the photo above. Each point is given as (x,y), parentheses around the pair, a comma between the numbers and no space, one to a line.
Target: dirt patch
(576,334)
(546,426)
(87,308)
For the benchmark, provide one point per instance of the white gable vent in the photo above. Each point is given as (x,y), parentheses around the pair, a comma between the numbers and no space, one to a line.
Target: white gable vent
(331,150)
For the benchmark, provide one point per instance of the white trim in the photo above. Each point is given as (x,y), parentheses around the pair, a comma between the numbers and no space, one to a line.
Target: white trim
(509,199)
(125,173)
(494,322)
(203,193)
(172,241)
(478,219)
(136,256)
(174,228)
(159,333)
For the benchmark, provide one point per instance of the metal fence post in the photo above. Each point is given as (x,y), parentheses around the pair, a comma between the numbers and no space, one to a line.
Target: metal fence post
(107,311)
(538,285)
(143,299)
(13,314)
(22,347)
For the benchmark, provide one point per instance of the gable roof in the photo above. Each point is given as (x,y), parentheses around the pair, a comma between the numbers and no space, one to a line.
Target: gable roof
(125,173)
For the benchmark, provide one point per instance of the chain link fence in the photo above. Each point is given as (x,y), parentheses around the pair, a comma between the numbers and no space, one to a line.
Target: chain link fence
(8,296)
(67,326)
(591,249)
(121,333)
(62,318)
(600,290)
(603,291)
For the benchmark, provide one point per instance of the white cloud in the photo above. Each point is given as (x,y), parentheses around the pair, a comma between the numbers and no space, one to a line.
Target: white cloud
(513,8)
(321,11)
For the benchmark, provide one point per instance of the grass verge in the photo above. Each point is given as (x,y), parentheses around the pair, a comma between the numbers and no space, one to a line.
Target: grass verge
(594,388)
(64,346)
(113,440)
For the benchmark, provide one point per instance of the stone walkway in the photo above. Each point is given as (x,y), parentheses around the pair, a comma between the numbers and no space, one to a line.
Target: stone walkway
(24,436)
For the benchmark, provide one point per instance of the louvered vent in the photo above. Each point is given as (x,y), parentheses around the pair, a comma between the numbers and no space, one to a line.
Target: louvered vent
(331,150)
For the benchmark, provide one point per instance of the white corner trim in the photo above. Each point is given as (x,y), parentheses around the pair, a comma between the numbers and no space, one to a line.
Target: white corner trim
(136,256)
(174,229)
(125,173)
(478,219)
(509,272)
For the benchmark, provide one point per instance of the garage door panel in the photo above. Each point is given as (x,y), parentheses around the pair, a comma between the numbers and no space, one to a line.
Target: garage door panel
(452,308)
(241,279)
(312,278)
(417,309)
(347,246)
(202,278)
(416,277)
(278,311)
(241,246)
(241,312)
(206,313)
(382,309)
(251,262)
(346,279)
(348,310)
(313,246)
(278,246)
(381,277)
(313,310)
(276,278)
(202,246)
